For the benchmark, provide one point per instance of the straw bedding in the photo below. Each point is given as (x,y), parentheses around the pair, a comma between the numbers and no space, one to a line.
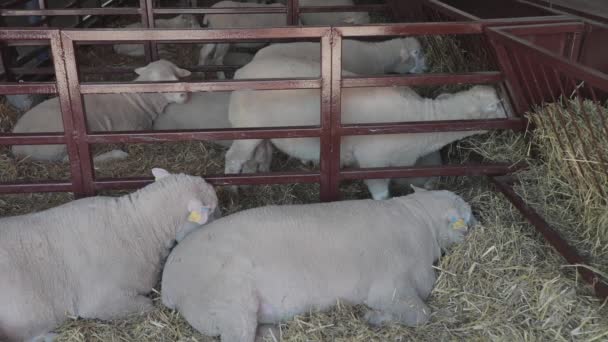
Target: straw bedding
(503,284)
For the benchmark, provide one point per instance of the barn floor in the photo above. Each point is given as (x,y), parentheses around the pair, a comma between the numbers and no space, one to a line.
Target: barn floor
(503,284)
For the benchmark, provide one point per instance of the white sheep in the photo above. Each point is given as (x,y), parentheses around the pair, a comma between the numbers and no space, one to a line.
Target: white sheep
(266,265)
(213,53)
(209,110)
(333,18)
(96,257)
(182,21)
(398,55)
(105,112)
(392,104)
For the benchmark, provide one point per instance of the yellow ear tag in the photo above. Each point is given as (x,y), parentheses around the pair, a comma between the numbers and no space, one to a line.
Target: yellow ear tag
(195,217)
(459,224)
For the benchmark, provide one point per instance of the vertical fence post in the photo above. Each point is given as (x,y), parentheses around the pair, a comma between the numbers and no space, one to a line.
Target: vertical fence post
(78,124)
(293,10)
(513,84)
(143,12)
(151,24)
(63,92)
(331,71)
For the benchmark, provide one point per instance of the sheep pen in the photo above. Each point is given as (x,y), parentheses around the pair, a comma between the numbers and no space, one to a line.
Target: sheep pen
(505,283)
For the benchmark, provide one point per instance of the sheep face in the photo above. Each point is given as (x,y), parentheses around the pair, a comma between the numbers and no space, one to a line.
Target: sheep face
(163,70)
(451,216)
(411,57)
(202,206)
(487,102)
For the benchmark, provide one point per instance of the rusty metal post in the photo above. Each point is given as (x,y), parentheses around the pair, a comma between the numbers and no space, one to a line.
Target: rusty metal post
(80,153)
(329,192)
(143,12)
(66,114)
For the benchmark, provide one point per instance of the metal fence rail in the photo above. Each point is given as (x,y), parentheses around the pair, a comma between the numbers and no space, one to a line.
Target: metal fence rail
(539,76)
(330,85)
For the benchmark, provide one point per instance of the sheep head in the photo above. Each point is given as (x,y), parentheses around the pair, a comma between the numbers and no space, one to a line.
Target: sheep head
(450,215)
(163,70)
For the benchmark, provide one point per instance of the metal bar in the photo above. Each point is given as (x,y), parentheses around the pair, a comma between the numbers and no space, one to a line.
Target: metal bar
(32,139)
(331,57)
(516,124)
(49,186)
(218,180)
(72,138)
(551,236)
(543,29)
(28,88)
(544,56)
(512,82)
(222,10)
(411,29)
(432,171)
(151,24)
(180,35)
(216,134)
(80,153)
(144,17)
(424,79)
(141,87)
(70,12)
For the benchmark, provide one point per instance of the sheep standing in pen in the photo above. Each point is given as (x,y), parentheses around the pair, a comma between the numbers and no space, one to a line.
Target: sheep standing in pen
(398,55)
(104,112)
(182,21)
(209,110)
(393,104)
(266,265)
(96,257)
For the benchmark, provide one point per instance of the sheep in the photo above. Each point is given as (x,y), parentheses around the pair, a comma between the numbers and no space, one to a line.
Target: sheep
(105,112)
(301,107)
(268,264)
(210,110)
(399,55)
(213,53)
(333,18)
(96,257)
(183,21)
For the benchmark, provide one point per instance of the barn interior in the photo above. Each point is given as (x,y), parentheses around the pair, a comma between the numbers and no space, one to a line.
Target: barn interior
(533,185)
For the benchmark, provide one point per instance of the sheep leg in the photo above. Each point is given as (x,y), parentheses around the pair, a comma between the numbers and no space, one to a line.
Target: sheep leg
(395,300)
(238,154)
(268,332)
(220,51)
(227,307)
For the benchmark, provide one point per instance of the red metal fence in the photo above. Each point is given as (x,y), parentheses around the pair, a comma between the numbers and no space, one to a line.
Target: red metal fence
(330,84)
(537,76)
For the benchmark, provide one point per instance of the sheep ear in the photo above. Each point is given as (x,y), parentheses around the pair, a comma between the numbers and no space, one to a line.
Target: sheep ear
(491,108)
(417,189)
(140,71)
(182,72)
(159,173)
(198,213)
